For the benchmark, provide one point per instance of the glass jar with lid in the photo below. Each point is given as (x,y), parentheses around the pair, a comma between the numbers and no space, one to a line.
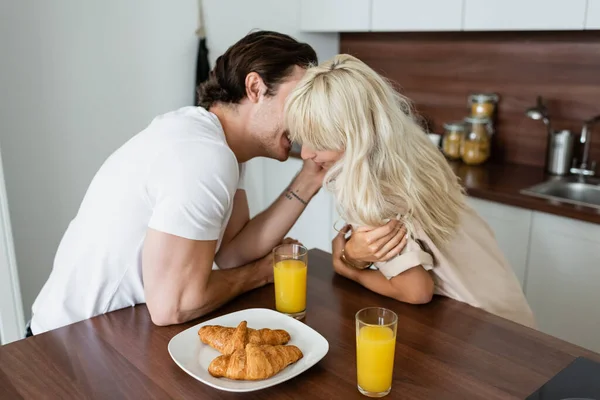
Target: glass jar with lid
(476,146)
(483,105)
(454,133)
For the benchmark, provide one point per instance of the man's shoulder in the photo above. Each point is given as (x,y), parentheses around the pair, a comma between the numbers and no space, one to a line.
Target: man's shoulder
(192,123)
(192,134)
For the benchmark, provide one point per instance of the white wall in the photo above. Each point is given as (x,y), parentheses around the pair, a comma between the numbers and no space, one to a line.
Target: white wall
(77,79)
(227,21)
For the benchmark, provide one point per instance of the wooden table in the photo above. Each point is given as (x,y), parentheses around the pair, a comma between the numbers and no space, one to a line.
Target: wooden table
(445,350)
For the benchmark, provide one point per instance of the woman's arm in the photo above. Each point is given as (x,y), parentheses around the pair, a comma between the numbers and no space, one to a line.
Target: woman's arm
(414,286)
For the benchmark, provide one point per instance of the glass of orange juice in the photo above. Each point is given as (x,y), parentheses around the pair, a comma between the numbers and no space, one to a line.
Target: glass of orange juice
(289,269)
(375,349)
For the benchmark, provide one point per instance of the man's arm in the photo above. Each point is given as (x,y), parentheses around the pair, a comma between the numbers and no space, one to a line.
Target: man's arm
(265,231)
(240,215)
(179,283)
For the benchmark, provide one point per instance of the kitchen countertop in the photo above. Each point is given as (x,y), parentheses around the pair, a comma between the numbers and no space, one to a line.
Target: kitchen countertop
(444,350)
(502,183)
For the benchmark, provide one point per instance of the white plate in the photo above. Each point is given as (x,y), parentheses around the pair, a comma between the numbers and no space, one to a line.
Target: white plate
(193,356)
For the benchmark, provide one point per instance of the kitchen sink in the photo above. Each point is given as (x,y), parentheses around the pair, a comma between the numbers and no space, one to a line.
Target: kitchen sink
(573,190)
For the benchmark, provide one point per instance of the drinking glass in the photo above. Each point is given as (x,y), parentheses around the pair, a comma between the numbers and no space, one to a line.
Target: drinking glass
(375,349)
(290,264)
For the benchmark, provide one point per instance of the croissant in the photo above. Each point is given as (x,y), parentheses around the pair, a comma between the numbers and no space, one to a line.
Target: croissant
(255,362)
(226,340)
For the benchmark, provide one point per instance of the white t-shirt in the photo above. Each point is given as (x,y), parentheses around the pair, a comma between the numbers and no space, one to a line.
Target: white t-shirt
(177,176)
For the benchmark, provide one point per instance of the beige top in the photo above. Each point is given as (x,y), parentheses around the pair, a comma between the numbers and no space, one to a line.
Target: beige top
(469,268)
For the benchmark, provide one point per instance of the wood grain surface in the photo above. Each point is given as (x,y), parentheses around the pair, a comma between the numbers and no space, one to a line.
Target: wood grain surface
(444,350)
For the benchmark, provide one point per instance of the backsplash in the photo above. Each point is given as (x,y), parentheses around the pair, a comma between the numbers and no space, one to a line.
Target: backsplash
(439,70)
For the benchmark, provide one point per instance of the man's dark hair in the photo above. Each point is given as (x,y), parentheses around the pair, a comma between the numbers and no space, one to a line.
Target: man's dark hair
(271,55)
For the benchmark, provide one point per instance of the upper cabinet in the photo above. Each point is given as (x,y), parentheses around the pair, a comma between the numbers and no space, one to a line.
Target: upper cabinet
(592,20)
(335,15)
(525,15)
(448,15)
(414,16)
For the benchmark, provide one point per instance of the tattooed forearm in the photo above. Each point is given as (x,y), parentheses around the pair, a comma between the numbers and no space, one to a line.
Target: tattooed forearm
(290,195)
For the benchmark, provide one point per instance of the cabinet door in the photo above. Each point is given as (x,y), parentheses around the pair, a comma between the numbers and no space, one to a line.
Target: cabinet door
(515,15)
(314,227)
(335,15)
(562,278)
(511,226)
(592,20)
(410,15)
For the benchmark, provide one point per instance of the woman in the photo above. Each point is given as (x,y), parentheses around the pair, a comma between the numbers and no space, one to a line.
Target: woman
(382,166)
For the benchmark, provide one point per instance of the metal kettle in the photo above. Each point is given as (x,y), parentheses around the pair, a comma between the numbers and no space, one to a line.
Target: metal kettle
(559,151)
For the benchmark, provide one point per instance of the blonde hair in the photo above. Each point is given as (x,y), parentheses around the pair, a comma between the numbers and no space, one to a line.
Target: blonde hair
(389,166)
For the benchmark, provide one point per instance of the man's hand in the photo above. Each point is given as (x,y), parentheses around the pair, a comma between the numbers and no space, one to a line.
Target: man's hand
(265,268)
(289,240)
(265,265)
(313,173)
(368,245)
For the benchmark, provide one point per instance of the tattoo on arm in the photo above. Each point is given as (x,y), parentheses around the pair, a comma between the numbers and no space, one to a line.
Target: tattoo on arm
(290,195)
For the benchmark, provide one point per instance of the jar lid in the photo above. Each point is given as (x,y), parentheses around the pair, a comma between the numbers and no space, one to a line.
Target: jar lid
(483,97)
(477,120)
(455,125)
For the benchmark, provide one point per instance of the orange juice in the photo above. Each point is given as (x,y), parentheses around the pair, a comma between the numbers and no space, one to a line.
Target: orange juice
(290,286)
(375,347)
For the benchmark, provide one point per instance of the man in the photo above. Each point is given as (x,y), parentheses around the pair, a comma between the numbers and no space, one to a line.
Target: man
(165,220)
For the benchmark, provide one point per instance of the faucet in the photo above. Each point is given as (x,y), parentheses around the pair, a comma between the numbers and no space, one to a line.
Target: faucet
(584,169)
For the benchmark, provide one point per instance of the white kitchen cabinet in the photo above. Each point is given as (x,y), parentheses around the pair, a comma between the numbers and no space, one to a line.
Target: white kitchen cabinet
(592,20)
(335,15)
(511,226)
(413,16)
(563,278)
(526,15)
(315,226)
(448,15)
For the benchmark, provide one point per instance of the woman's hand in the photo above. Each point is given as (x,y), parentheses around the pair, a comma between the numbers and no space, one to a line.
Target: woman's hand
(369,245)
(414,286)
(337,245)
